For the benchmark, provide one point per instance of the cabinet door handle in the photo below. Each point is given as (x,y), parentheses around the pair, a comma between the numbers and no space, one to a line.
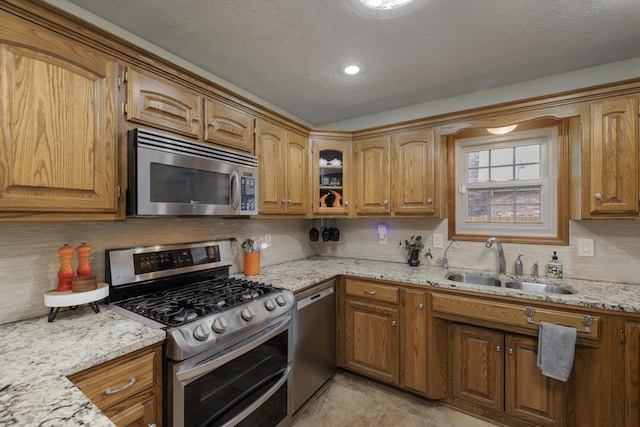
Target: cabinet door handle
(393,323)
(197,119)
(498,348)
(212,124)
(369,292)
(131,382)
(598,196)
(346,203)
(510,351)
(420,306)
(429,201)
(386,202)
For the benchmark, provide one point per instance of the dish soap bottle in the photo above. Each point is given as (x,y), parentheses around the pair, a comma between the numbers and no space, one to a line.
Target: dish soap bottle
(554,268)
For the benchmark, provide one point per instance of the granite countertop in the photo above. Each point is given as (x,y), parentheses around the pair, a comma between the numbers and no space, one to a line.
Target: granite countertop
(38,355)
(298,275)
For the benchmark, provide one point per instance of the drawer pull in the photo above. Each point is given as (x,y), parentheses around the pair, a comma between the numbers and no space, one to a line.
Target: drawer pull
(369,292)
(131,382)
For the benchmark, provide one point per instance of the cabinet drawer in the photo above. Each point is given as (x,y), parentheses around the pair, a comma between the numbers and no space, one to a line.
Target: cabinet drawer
(117,380)
(511,314)
(372,291)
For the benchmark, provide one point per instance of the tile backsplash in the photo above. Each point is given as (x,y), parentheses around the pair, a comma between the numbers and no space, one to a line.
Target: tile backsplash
(29,260)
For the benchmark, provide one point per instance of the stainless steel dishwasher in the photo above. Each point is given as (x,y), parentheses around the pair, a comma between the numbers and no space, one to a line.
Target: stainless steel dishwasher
(314,341)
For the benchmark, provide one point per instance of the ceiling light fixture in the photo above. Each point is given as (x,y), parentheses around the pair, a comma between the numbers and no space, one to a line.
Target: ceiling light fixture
(351,69)
(385,4)
(386,8)
(502,130)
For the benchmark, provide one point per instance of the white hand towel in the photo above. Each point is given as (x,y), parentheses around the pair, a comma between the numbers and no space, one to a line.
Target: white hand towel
(556,348)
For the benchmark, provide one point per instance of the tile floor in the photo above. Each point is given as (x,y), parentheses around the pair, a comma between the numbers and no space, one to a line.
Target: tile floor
(353,401)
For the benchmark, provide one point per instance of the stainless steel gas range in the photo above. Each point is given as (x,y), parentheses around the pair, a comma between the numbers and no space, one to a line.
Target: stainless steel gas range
(227,358)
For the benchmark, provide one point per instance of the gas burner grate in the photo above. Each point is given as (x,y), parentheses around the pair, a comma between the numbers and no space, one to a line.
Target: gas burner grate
(182,305)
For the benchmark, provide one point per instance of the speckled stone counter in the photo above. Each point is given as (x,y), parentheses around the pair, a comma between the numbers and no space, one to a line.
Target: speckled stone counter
(37,356)
(298,275)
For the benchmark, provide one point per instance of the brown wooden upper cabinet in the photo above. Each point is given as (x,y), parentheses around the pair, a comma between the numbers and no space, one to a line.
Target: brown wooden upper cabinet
(373,176)
(610,158)
(331,177)
(395,175)
(161,104)
(284,170)
(58,151)
(227,125)
(414,173)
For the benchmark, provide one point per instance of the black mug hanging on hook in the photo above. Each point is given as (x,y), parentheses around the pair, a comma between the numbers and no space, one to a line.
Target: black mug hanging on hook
(326,233)
(314,234)
(335,233)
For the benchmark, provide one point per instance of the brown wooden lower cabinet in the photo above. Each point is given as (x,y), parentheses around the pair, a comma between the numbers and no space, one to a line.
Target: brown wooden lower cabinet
(371,340)
(128,389)
(499,371)
(383,329)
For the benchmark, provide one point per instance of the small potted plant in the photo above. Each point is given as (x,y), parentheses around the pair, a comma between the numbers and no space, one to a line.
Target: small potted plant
(414,246)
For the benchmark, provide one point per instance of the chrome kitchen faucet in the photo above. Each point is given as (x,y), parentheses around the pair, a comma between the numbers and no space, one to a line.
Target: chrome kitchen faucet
(502,263)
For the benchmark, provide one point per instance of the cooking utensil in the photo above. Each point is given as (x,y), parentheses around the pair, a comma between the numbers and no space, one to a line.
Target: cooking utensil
(314,234)
(247,245)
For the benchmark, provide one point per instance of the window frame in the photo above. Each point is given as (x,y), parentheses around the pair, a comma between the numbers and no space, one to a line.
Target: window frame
(558,234)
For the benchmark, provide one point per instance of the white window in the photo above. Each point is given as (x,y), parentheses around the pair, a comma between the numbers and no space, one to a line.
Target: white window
(507,184)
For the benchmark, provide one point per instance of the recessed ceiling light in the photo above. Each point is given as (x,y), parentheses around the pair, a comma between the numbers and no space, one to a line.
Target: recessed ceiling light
(351,69)
(386,8)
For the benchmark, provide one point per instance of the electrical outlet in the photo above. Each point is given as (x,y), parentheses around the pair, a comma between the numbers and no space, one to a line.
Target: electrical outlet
(267,239)
(586,247)
(382,234)
(438,241)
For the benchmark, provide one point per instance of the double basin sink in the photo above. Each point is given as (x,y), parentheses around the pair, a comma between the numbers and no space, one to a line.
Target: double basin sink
(510,284)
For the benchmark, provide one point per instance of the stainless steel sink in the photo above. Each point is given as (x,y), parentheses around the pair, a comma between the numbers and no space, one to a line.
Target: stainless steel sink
(474,279)
(537,287)
(490,281)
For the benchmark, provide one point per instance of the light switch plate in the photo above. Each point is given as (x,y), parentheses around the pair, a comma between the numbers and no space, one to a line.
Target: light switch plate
(438,241)
(586,247)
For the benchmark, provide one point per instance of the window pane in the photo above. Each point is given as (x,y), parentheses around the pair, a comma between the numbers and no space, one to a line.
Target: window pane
(503,173)
(479,175)
(502,213)
(478,158)
(528,204)
(502,156)
(528,154)
(528,171)
(478,205)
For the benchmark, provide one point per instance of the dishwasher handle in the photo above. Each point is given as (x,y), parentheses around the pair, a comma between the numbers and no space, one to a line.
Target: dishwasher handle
(313,298)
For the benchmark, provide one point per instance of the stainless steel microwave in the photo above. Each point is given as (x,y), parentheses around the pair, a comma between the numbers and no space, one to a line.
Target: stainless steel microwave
(169,175)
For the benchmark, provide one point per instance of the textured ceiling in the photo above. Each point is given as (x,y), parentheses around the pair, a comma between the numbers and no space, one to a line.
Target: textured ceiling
(290,52)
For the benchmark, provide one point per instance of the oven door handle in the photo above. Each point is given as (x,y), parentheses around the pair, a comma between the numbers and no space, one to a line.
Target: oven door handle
(255,405)
(194,370)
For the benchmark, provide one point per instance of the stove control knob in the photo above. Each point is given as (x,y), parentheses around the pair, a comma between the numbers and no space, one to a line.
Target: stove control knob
(247,313)
(280,300)
(201,333)
(219,325)
(270,305)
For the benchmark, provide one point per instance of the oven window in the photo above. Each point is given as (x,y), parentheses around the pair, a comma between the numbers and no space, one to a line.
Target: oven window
(222,394)
(175,184)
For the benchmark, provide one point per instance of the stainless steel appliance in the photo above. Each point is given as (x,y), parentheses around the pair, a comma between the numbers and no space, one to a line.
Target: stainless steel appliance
(173,176)
(227,357)
(314,341)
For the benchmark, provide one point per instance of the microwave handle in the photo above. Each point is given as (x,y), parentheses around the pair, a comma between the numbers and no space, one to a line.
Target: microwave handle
(235,190)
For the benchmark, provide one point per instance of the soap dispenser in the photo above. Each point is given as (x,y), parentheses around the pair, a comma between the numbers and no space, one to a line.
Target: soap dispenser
(554,268)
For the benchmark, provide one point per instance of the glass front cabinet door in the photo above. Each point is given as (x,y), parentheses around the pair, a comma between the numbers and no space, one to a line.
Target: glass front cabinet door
(331,186)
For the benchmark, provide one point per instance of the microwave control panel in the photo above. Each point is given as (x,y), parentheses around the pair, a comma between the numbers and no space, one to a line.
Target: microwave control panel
(247,193)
